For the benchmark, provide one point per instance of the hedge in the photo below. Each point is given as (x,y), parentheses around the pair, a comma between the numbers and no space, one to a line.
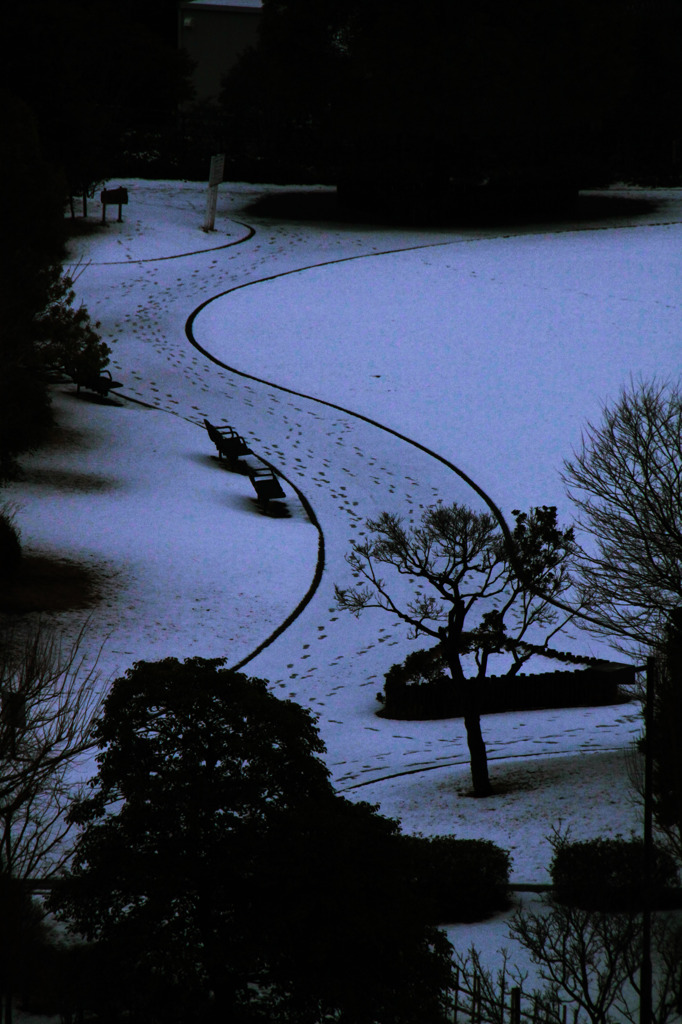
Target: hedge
(608,874)
(457,879)
(439,698)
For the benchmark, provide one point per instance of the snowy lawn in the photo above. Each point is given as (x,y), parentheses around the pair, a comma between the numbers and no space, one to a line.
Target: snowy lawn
(490,349)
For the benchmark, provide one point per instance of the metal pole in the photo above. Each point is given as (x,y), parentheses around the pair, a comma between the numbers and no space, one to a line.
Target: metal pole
(645,975)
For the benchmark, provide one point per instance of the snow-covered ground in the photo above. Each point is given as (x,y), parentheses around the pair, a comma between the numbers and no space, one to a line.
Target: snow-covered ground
(359,360)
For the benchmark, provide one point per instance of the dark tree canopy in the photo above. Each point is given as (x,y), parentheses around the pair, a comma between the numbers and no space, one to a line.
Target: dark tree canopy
(32,245)
(214,857)
(42,325)
(489,91)
(92,73)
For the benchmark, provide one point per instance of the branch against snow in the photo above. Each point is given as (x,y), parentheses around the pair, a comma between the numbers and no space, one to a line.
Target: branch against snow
(626,482)
(462,557)
(50,698)
(475,590)
(592,959)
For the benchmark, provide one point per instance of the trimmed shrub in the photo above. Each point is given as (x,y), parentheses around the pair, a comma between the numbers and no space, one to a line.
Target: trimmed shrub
(419,689)
(10,545)
(457,879)
(608,874)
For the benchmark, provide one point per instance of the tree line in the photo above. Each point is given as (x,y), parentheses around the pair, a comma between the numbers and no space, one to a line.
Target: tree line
(521,97)
(77,78)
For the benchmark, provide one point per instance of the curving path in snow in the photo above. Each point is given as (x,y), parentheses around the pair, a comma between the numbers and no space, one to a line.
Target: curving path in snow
(365,364)
(494,351)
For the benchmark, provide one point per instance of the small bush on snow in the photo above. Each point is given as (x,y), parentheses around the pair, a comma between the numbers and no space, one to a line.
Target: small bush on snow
(458,879)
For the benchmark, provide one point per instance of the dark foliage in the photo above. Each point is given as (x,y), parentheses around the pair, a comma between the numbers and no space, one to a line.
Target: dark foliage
(450,100)
(23,939)
(41,326)
(75,981)
(92,73)
(665,736)
(220,874)
(281,103)
(10,545)
(66,339)
(608,874)
(419,688)
(458,879)
(32,245)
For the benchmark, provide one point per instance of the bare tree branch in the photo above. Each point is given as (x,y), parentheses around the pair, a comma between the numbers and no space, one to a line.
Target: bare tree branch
(50,698)
(472,574)
(626,482)
(593,959)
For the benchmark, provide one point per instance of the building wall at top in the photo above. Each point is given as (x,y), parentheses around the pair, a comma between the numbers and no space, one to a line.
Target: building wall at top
(215,36)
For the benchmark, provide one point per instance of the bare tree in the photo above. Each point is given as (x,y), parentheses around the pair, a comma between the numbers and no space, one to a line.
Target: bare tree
(50,699)
(592,960)
(626,482)
(478,599)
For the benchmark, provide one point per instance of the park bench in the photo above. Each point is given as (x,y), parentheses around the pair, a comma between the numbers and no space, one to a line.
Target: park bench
(102,383)
(231,446)
(229,443)
(265,483)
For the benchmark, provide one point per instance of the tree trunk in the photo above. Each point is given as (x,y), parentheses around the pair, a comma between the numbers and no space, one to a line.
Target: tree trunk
(478,757)
(477,754)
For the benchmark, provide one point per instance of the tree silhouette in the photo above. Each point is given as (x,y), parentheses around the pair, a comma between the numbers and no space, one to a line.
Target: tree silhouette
(518,97)
(626,482)
(223,876)
(469,593)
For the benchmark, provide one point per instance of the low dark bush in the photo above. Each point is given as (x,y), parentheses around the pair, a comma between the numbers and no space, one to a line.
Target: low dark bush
(457,879)
(10,545)
(609,874)
(419,688)
(78,981)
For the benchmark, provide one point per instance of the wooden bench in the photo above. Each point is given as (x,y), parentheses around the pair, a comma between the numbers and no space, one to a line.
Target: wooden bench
(229,443)
(231,446)
(102,384)
(266,484)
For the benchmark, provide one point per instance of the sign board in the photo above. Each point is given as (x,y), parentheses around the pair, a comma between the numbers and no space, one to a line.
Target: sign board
(113,196)
(217,168)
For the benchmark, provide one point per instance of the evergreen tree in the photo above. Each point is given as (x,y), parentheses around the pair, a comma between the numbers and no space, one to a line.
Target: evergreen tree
(223,877)
(41,326)
(449,96)
(31,249)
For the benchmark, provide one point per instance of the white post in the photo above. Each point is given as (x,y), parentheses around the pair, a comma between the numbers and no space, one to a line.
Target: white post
(214,179)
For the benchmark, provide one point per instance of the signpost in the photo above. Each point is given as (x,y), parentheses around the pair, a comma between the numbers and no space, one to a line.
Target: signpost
(214,179)
(113,197)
